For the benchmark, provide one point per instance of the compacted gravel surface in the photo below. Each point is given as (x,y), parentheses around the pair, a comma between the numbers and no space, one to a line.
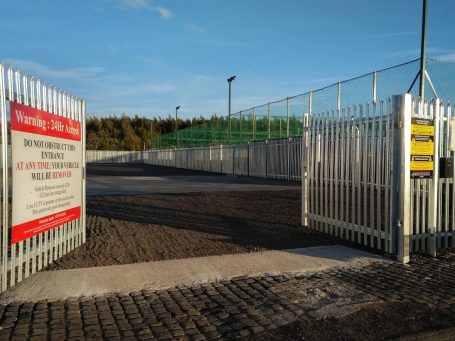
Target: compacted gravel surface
(141,228)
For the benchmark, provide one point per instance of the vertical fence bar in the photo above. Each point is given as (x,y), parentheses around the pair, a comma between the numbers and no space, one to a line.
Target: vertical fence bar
(342,175)
(254,124)
(288,112)
(451,143)
(336,175)
(5,209)
(433,195)
(339,96)
(305,168)
(375,86)
(401,174)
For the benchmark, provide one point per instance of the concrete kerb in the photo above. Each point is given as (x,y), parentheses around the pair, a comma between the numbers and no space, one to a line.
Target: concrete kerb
(161,275)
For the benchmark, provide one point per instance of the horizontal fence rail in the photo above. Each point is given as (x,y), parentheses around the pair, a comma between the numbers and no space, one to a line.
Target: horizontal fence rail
(272,159)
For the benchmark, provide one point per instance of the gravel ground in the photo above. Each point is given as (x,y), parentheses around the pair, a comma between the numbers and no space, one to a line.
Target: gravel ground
(141,228)
(124,229)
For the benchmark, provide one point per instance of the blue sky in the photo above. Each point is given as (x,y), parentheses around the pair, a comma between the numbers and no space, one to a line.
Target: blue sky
(147,56)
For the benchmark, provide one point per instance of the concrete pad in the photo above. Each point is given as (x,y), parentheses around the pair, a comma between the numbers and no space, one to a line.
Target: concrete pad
(63,284)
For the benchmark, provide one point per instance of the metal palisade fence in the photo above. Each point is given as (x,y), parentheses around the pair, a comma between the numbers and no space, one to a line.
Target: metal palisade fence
(272,159)
(358,179)
(25,257)
(356,182)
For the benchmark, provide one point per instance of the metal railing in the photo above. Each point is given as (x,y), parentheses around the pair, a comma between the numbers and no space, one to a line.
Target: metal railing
(357,181)
(352,183)
(272,159)
(20,260)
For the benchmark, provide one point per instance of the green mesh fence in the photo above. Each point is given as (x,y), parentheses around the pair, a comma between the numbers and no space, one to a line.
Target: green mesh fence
(283,118)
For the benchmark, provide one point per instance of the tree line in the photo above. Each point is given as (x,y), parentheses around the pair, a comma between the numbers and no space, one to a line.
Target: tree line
(130,133)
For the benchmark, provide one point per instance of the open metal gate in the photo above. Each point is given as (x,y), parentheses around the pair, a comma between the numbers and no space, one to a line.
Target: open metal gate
(358,181)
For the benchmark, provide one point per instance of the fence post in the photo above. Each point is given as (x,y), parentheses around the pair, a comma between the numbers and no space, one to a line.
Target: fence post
(254,124)
(305,167)
(266,158)
(248,160)
(221,158)
(269,112)
(229,123)
(289,158)
(401,177)
(5,209)
(210,157)
(433,197)
(288,109)
(339,96)
(233,159)
(375,84)
(240,127)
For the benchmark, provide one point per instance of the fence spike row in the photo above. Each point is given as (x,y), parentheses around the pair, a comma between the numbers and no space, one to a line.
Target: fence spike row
(20,259)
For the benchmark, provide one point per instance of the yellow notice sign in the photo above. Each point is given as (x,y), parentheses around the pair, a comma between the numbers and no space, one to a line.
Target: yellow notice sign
(417,129)
(421,166)
(422,147)
(421,163)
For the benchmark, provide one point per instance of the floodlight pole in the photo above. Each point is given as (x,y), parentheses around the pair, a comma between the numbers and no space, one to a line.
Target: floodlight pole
(423,51)
(229,80)
(176,133)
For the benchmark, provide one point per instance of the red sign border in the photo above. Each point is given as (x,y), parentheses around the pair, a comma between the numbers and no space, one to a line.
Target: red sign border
(44,116)
(31,228)
(37,226)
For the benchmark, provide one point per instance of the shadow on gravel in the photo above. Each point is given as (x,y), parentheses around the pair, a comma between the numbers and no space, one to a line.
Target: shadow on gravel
(247,225)
(138,169)
(128,229)
(124,229)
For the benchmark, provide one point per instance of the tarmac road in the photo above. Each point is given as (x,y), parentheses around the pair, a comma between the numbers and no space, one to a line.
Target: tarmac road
(116,179)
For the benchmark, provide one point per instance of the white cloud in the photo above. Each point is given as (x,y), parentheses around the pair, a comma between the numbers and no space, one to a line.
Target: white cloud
(45,72)
(194,29)
(135,3)
(164,12)
(448,57)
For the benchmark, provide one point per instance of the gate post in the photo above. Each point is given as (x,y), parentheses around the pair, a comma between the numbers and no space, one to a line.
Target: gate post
(248,160)
(433,195)
(266,158)
(289,159)
(305,167)
(401,177)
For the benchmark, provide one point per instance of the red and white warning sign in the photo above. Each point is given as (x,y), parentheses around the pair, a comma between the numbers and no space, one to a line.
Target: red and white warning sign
(47,171)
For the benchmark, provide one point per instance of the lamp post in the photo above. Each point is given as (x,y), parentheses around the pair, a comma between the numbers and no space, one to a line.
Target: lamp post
(423,52)
(176,131)
(229,80)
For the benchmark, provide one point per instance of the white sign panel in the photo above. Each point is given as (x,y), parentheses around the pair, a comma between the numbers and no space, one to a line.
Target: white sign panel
(47,171)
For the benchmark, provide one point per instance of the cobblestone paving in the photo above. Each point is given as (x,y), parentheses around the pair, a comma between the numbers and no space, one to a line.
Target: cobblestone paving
(225,310)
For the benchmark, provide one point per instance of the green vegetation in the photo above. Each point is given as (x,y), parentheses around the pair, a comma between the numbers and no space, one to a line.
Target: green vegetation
(126,133)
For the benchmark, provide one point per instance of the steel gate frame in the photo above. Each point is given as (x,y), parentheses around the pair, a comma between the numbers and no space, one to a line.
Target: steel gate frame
(356,180)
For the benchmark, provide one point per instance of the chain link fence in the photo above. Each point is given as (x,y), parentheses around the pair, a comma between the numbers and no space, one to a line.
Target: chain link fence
(282,119)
